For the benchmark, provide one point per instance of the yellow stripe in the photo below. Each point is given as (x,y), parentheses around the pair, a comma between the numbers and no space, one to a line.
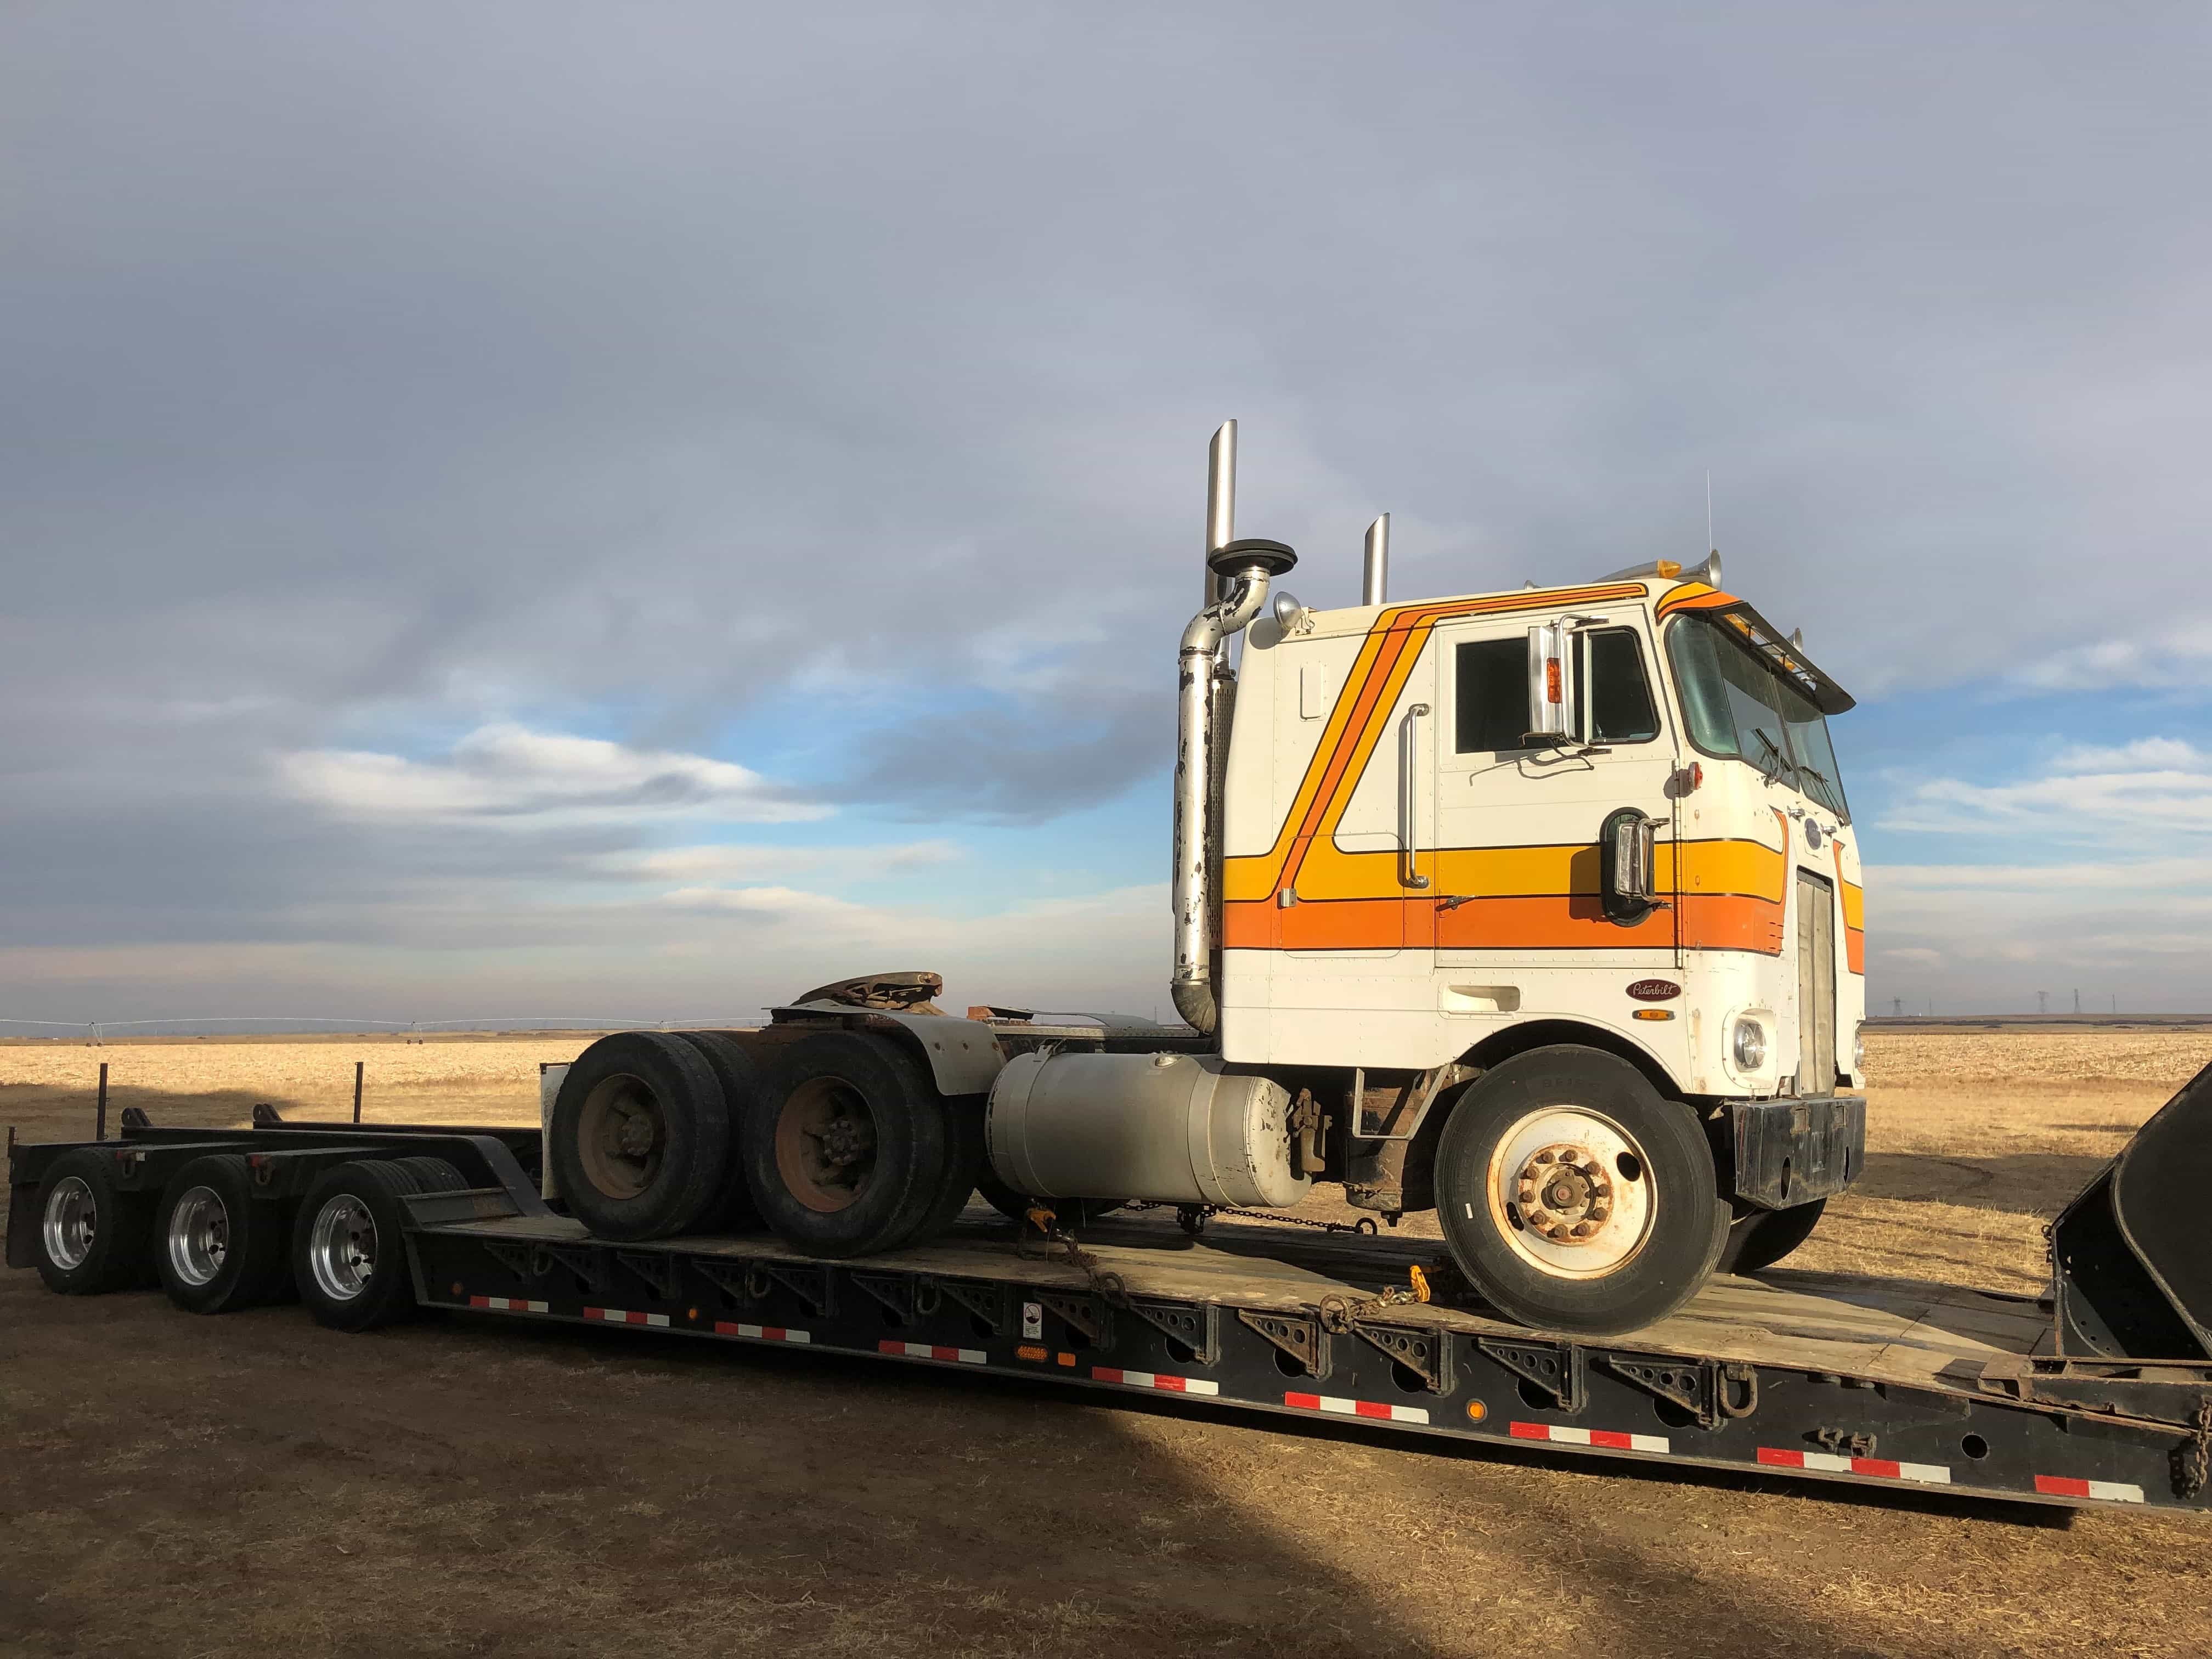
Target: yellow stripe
(1707,866)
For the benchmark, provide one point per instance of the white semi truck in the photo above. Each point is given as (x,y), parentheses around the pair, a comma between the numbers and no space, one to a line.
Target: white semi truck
(1539,907)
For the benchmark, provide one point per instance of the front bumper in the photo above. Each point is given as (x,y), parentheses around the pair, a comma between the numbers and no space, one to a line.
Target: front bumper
(1792,1152)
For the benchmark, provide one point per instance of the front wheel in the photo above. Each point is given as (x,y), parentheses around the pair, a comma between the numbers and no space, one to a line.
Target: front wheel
(1574,1197)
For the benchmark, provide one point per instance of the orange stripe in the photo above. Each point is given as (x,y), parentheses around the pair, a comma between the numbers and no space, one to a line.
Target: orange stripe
(1696,596)
(1855,950)
(1573,921)
(1396,640)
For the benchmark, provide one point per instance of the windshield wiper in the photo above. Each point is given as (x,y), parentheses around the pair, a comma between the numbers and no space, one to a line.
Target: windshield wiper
(1781,761)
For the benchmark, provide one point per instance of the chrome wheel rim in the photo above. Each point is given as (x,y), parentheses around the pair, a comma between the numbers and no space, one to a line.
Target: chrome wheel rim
(199,1236)
(342,1247)
(71,1222)
(1571,1192)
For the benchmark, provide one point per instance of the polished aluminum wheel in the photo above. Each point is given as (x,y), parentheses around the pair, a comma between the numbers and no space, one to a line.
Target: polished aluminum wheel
(198,1239)
(342,1247)
(71,1222)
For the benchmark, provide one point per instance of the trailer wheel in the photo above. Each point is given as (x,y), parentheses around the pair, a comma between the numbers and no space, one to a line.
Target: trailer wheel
(845,1145)
(91,1237)
(348,1247)
(218,1246)
(1574,1197)
(641,1139)
(733,1210)
(1765,1237)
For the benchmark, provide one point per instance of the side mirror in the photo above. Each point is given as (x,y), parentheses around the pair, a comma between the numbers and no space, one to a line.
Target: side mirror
(1627,845)
(1551,681)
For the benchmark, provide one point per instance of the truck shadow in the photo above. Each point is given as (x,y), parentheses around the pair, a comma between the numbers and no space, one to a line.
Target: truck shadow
(2017,1183)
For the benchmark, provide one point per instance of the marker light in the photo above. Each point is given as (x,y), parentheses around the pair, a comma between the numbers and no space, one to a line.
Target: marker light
(1552,680)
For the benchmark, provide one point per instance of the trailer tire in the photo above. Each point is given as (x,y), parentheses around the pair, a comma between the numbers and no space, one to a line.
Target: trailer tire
(1762,1238)
(91,1237)
(845,1145)
(641,1138)
(1574,1196)
(349,1247)
(433,1175)
(733,1210)
(218,1245)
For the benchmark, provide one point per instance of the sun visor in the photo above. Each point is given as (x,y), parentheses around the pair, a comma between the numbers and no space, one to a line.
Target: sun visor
(1772,643)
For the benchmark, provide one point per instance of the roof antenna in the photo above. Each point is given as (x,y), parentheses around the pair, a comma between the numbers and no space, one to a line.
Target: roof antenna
(1711,546)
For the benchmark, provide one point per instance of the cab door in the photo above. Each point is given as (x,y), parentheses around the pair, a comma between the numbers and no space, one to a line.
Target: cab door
(1512,849)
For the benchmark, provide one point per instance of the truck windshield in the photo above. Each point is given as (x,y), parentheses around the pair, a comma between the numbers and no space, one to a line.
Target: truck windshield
(1734,704)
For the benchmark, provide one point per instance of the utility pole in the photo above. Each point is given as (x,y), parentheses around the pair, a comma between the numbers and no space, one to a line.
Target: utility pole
(2077,1000)
(1897,1007)
(2043,1002)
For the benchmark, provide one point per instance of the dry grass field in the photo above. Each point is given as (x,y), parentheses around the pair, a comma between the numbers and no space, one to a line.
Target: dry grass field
(178,1486)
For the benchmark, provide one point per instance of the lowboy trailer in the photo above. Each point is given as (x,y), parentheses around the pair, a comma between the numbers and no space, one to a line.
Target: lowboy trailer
(2100,1391)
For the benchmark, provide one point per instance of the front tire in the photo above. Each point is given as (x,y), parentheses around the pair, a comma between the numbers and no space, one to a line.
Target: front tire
(1574,1197)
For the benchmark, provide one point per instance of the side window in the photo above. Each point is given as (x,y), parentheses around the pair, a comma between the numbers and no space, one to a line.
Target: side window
(1615,688)
(1490,695)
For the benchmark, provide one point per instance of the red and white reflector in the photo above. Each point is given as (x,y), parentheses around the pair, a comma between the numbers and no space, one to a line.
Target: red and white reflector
(506,1304)
(1154,1380)
(1880,1469)
(2111,1492)
(924,1351)
(624,1316)
(1564,1435)
(1370,1408)
(761,1333)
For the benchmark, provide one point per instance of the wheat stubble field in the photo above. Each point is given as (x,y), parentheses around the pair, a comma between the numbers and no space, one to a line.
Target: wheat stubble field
(171,1484)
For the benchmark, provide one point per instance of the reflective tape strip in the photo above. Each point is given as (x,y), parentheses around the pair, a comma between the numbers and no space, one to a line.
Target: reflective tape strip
(506,1304)
(623,1316)
(1334,1407)
(924,1351)
(761,1333)
(2113,1492)
(1880,1469)
(1154,1380)
(1612,1439)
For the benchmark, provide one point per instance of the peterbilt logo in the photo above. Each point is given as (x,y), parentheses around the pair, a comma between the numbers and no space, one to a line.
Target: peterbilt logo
(1654,990)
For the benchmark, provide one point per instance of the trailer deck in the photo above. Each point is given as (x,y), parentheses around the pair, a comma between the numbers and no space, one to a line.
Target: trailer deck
(1807,1376)
(1815,1376)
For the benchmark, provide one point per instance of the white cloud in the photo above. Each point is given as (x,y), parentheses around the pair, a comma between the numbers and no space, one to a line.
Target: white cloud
(2172,659)
(2135,797)
(506,774)
(730,861)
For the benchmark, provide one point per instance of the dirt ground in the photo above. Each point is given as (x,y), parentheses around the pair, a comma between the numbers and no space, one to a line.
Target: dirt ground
(177,1485)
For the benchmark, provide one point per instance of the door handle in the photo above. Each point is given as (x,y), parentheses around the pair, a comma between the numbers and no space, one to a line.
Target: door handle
(1407,749)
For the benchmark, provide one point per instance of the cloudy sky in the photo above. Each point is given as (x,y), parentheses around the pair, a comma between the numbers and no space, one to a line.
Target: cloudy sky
(624,511)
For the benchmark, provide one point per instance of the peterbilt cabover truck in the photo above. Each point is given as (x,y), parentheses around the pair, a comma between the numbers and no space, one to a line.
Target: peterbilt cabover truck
(1539,908)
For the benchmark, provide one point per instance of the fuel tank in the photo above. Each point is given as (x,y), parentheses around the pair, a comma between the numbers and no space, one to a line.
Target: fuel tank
(1172,1128)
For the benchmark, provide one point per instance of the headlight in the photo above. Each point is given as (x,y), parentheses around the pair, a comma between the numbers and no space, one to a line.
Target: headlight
(1750,1045)
(1858,1050)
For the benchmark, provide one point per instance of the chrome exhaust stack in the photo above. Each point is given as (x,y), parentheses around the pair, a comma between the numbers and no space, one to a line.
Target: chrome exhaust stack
(1375,577)
(1237,574)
